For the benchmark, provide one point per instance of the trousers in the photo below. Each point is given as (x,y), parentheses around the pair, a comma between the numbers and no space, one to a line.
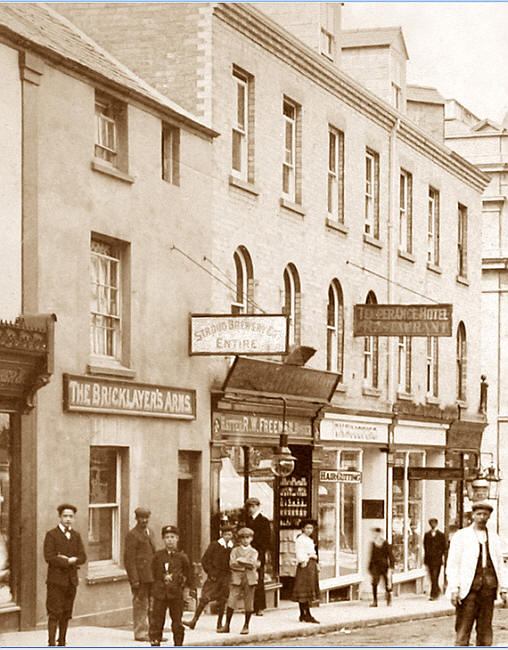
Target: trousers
(477,607)
(158,616)
(434,571)
(140,604)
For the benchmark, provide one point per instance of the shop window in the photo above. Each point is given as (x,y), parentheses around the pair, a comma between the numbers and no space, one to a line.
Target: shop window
(407,512)
(339,517)
(461,362)
(370,353)
(6,586)
(244,282)
(335,329)
(104,505)
(292,299)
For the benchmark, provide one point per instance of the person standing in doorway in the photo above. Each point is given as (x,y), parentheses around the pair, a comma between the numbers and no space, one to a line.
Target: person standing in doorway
(380,565)
(434,548)
(138,556)
(64,553)
(306,583)
(173,579)
(475,572)
(262,543)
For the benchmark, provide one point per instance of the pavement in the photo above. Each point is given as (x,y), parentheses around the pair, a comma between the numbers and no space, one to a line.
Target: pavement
(276,624)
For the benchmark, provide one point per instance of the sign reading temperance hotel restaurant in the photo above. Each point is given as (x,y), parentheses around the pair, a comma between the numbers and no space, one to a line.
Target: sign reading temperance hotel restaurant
(126,398)
(403,320)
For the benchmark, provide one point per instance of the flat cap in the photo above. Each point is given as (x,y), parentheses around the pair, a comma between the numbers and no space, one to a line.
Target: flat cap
(254,501)
(169,529)
(142,512)
(482,505)
(66,506)
(245,532)
(226,528)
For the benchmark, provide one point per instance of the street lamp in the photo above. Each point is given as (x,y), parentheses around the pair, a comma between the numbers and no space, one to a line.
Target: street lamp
(283,462)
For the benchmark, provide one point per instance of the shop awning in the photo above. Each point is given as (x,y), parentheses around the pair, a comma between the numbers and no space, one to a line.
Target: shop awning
(26,360)
(278,380)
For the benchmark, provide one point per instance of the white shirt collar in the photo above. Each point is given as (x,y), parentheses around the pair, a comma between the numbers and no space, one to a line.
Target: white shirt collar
(222,542)
(64,529)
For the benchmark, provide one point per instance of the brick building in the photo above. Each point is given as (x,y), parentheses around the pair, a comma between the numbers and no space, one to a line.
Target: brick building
(326,195)
(100,175)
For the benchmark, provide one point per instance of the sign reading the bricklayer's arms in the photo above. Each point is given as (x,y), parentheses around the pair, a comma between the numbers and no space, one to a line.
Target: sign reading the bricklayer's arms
(126,398)
(403,320)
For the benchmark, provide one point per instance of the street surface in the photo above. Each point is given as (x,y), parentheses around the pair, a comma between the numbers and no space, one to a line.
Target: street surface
(425,632)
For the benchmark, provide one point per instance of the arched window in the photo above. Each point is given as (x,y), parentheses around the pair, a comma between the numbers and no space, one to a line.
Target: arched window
(244,282)
(371,353)
(461,362)
(292,302)
(335,329)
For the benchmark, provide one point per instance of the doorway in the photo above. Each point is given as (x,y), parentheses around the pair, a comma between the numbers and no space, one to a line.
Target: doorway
(189,499)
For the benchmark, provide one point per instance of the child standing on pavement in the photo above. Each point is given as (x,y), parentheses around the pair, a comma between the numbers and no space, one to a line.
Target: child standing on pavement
(380,565)
(306,584)
(244,577)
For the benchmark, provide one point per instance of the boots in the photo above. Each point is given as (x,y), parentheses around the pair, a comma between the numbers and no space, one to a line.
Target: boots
(245,628)
(374,596)
(220,614)
(52,627)
(302,612)
(178,637)
(308,616)
(199,610)
(62,631)
(388,598)
(229,616)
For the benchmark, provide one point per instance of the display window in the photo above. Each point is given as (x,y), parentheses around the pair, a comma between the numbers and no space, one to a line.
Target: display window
(339,516)
(407,512)
(6,595)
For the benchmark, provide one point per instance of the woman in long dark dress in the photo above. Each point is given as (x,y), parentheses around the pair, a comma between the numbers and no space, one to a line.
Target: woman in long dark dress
(306,584)
(380,565)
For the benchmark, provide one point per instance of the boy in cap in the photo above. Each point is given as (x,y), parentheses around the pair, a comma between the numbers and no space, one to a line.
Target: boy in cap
(262,543)
(172,579)
(475,571)
(64,553)
(138,555)
(215,562)
(244,576)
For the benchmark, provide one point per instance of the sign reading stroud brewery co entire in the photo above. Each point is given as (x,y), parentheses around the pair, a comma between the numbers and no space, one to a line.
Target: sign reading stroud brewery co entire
(245,334)
(403,320)
(126,398)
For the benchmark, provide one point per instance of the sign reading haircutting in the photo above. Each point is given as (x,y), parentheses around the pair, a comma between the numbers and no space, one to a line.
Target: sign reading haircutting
(403,320)
(244,334)
(340,476)
(126,398)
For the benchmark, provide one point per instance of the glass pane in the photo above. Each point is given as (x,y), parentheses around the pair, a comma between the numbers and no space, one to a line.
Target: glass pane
(328,521)
(348,557)
(262,486)
(398,514)
(103,479)
(5,466)
(240,113)
(100,534)
(237,151)
(332,152)
(232,484)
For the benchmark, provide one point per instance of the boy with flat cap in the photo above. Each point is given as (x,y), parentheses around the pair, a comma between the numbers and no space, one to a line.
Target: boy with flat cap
(64,553)
(475,572)
(138,556)
(262,543)
(172,580)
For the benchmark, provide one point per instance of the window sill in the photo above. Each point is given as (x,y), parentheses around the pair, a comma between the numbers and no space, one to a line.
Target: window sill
(103,168)
(462,280)
(371,392)
(432,399)
(434,268)
(341,388)
(373,241)
(406,255)
(113,371)
(333,224)
(110,573)
(462,404)
(408,397)
(292,207)
(243,185)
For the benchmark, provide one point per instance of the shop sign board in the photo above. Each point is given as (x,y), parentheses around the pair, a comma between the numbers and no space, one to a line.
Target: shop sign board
(246,334)
(436,473)
(233,423)
(403,320)
(353,431)
(125,398)
(340,476)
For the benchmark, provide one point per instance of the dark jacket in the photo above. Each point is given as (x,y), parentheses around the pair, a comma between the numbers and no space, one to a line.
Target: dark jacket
(381,558)
(138,555)
(434,548)
(176,565)
(262,535)
(215,560)
(56,544)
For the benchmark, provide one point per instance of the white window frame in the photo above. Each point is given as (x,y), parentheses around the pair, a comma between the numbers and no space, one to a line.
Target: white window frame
(243,277)
(404,364)
(105,125)
(405,211)
(290,302)
(335,190)
(432,366)
(462,241)
(433,227)
(115,514)
(370,225)
(461,362)
(102,322)
(327,43)
(396,96)
(170,154)
(289,160)
(240,131)
(335,332)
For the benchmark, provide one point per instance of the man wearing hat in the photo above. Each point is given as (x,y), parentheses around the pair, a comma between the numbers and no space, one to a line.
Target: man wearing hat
(172,576)
(138,555)
(64,553)
(215,562)
(262,543)
(475,572)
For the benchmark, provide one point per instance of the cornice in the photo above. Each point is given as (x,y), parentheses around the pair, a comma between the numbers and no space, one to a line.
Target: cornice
(251,22)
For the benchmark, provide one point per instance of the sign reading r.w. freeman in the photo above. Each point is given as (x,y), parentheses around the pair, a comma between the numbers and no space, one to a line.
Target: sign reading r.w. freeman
(403,320)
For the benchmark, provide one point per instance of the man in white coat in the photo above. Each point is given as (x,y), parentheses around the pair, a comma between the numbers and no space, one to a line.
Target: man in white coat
(475,572)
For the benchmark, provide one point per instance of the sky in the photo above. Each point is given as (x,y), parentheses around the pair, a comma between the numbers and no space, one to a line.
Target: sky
(460,48)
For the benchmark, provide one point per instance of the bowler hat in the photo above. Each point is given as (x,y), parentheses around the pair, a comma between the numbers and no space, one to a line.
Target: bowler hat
(142,512)
(245,532)
(482,505)
(253,501)
(169,529)
(66,506)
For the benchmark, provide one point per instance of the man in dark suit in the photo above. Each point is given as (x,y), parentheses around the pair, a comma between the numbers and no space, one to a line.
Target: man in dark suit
(434,547)
(64,553)
(138,556)
(172,581)
(262,543)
